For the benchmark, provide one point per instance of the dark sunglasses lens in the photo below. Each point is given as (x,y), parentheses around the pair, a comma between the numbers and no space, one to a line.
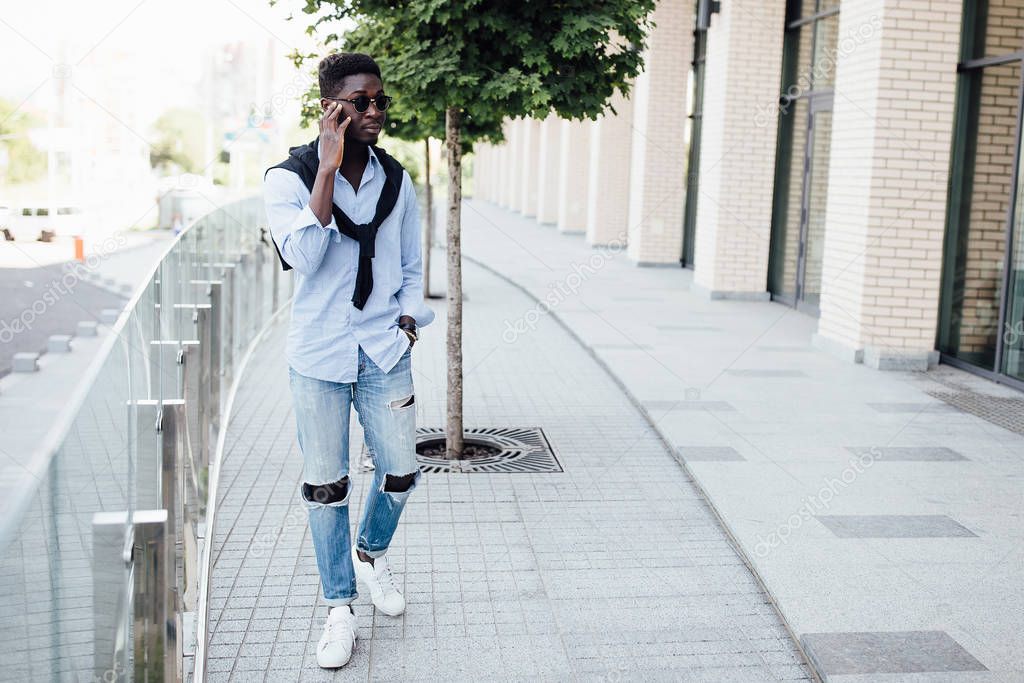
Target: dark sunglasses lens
(361,103)
(382,102)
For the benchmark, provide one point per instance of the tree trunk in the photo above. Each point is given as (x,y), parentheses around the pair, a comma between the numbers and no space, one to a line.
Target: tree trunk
(428,237)
(453,433)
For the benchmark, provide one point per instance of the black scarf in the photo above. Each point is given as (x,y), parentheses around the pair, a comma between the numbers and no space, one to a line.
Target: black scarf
(304,162)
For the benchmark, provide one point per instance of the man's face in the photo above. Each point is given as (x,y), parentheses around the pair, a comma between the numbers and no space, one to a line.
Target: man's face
(366,126)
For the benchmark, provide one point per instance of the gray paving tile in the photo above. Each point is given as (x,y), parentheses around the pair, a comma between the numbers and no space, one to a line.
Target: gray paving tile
(481,555)
(686,404)
(888,652)
(624,347)
(894,526)
(765,372)
(906,453)
(687,328)
(710,454)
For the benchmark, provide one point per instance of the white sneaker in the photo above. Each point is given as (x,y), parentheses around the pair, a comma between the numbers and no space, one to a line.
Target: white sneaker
(379,581)
(338,639)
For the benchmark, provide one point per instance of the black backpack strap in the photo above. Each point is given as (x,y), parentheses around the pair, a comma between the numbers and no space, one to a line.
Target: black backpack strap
(304,166)
(392,169)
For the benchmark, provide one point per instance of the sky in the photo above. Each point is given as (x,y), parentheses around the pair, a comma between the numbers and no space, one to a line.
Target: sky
(167,39)
(129,62)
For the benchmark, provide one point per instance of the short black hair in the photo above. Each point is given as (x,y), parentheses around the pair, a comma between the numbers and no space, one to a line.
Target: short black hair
(335,67)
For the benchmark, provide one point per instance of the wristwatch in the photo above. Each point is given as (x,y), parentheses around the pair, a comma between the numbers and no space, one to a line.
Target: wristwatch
(410,331)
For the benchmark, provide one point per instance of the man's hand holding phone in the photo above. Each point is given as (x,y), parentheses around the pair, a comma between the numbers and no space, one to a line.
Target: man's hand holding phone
(332,137)
(332,149)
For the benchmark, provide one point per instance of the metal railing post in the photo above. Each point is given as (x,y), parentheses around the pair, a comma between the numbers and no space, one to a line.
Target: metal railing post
(215,292)
(197,382)
(112,539)
(156,620)
(158,480)
(230,316)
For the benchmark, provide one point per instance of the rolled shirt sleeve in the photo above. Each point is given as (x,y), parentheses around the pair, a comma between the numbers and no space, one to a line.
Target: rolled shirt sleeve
(299,235)
(410,295)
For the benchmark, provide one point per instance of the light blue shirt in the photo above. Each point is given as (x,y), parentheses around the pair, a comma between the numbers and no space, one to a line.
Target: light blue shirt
(326,330)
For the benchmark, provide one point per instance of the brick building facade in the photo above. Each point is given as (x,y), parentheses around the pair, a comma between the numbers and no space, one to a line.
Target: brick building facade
(857,159)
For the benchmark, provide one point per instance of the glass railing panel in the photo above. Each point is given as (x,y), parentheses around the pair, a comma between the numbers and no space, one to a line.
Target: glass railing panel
(101,555)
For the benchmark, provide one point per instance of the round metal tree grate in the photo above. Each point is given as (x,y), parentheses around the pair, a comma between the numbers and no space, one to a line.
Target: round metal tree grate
(488,449)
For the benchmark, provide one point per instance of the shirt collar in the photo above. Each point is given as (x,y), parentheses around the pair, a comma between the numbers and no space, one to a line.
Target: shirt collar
(372,163)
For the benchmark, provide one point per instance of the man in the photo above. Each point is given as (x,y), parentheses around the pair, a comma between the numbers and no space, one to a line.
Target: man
(343,215)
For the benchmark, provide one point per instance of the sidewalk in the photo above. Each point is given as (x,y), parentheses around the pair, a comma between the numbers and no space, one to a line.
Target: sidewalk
(613,569)
(886,523)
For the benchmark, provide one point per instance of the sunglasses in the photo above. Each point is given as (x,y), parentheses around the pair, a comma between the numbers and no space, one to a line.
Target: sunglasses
(362,103)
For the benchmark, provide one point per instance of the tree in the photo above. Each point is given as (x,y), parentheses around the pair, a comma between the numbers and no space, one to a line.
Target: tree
(478,62)
(179,142)
(20,160)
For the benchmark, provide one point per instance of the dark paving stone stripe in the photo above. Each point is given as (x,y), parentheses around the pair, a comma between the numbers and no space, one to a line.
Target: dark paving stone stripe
(894,526)
(907,453)
(913,408)
(888,652)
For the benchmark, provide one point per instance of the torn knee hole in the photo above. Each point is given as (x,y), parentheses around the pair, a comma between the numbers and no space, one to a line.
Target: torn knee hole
(404,402)
(333,493)
(399,483)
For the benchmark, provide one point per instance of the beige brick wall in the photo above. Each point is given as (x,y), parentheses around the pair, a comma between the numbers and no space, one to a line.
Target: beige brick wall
(549,165)
(529,162)
(658,163)
(512,174)
(737,160)
(481,171)
(573,176)
(508,166)
(888,178)
(611,141)
(493,175)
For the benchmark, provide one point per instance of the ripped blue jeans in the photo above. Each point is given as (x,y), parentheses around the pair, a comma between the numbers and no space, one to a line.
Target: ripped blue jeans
(386,409)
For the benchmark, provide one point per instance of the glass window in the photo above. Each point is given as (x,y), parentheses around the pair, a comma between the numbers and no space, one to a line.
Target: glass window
(998,29)
(1013,323)
(826,39)
(786,232)
(801,174)
(983,199)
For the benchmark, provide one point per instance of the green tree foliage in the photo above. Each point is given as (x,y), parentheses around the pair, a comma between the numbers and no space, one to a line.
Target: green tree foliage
(494,58)
(25,162)
(179,141)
